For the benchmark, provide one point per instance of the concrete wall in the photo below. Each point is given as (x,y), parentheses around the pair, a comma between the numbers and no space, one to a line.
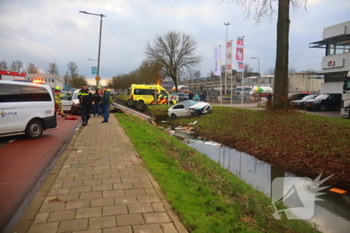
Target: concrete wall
(304,81)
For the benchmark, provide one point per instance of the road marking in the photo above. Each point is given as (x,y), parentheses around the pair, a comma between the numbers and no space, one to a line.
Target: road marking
(13,140)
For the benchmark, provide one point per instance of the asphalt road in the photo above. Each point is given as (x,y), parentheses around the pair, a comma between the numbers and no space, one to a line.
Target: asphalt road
(23,161)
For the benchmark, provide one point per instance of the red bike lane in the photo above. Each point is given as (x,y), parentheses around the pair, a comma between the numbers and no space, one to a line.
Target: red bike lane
(23,162)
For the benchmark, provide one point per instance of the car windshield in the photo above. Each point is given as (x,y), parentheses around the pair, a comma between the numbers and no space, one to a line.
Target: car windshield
(309,97)
(75,95)
(322,97)
(189,103)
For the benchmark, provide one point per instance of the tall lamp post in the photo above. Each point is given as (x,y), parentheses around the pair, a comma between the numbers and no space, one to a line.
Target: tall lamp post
(99,44)
(258,76)
(226,24)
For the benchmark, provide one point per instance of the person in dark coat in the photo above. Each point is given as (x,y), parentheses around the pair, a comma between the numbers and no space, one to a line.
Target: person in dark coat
(97,102)
(85,99)
(190,95)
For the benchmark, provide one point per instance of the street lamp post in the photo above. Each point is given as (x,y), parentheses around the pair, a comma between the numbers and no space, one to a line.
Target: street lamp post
(226,24)
(258,76)
(99,44)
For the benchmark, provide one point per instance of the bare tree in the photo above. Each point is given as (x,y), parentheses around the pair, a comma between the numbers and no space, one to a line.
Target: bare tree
(53,69)
(271,71)
(72,69)
(247,70)
(266,8)
(16,66)
(32,69)
(174,51)
(292,70)
(77,81)
(197,74)
(3,65)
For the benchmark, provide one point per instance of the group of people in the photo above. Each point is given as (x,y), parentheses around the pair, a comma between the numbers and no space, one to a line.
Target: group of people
(100,101)
(202,97)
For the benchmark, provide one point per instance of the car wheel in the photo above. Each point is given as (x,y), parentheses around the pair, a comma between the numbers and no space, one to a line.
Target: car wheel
(34,129)
(322,107)
(130,102)
(173,116)
(139,106)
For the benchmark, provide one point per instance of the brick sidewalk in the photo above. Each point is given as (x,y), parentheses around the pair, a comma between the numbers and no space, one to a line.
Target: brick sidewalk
(104,187)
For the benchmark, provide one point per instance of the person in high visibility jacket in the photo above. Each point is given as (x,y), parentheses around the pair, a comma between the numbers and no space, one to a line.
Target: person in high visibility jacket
(85,99)
(58,100)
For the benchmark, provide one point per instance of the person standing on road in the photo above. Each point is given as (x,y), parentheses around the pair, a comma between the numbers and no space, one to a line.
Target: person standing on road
(85,99)
(190,95)
(58,100)
(97,102)
(105,104)
(269,100)
(196,97)
(155,96)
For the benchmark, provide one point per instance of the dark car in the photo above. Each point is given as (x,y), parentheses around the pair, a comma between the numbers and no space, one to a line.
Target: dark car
(182,96)
(324,102)
(297,96)
(300,104)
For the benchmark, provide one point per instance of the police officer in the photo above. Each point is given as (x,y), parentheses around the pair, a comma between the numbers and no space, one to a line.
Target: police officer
(85,99)
(69,95)
(58,100)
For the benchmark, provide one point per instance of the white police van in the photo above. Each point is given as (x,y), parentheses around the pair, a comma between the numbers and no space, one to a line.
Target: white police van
(26,108)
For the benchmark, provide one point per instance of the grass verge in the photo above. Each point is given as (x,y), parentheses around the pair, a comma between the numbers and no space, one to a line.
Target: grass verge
(302,143)
(207,197)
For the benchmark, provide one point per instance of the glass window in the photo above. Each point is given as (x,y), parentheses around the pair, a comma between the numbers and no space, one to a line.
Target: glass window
(179,107)
(163,93)
(10,93)
(347,84)
(322,97)
(32,93)
(143,92)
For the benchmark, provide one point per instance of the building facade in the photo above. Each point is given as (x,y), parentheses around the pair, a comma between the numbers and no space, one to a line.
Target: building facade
(307,82)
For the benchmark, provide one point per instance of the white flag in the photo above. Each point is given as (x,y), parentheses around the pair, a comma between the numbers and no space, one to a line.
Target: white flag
(229,57)
(240,52)
(217,58)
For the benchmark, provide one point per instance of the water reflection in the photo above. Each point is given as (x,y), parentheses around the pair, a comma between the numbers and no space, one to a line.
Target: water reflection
(330,215)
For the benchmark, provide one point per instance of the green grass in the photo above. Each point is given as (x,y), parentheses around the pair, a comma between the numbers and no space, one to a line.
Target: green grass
(160,111)
(123,97)
(207,197)
(302,143)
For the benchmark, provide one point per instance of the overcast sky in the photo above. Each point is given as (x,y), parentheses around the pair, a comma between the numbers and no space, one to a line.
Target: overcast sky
(44,31)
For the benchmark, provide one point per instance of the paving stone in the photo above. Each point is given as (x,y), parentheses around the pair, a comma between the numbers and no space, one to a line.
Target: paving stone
(130,219)
(72,184)
(56,186)
(158,207)
(137,174)
(133,192)
(102,187)
(102,222)
(92,182)
(79,204)
(59,191)
(41,218)
(69,197)
(102,202)
(142,185)
(64,179)
(113,193)
(81,189)
(81,173)
(153,228)
(140,208)
(123,186)
(114,210)
(89,212)
(73,225)
(102,176)
(93,172)
(150,191)
(46,208)
(120,175)
(130,180)
(90,195)
(156,217)
(148,198)
(61,215)
(78,165)
(118,230)
(89,231)
(111,181)
(168,228)
(125,200)
(85,177)
(44,228)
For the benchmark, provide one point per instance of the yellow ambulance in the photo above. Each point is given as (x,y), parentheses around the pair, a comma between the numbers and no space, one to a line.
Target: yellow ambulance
(145,94)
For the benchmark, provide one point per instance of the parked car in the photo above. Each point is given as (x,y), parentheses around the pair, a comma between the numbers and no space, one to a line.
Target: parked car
(75,106)
(26,108)
(324,102)
(182,96)
(189,108)
(300,104)
(297,96)
(66,103)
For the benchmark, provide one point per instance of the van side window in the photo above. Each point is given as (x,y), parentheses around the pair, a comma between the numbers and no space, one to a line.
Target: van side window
(163,93)
(10,93)
(32,93)
(143,92)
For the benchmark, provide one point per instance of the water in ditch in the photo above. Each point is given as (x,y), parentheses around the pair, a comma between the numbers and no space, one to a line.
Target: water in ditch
(331,214)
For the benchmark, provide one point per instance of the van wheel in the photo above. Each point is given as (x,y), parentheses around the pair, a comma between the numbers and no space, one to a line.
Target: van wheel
(145,108)
(173,116)
(139,106)
(130,102)
(322,107)
(34,129)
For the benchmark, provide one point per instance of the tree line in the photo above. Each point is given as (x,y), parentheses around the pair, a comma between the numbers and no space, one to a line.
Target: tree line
(71,76)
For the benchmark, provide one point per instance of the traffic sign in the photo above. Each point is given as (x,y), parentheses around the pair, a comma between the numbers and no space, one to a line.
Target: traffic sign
(97,78)
(94,70)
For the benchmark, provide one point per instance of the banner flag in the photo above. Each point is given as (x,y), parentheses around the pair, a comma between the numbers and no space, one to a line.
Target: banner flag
(240,52)
(229,57)
(217,59)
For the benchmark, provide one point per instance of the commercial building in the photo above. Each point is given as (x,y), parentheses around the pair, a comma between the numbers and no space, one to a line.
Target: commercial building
(336,62)
(306,82)
(52,80)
